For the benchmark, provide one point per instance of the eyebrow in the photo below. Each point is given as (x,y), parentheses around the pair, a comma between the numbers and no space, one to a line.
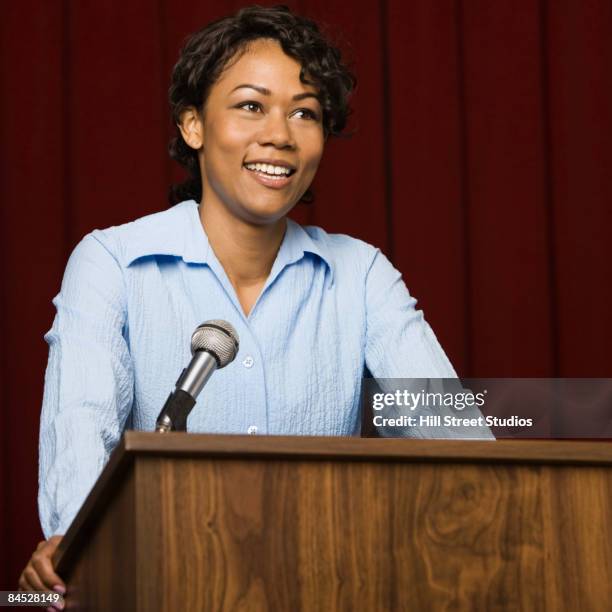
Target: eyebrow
(266,92)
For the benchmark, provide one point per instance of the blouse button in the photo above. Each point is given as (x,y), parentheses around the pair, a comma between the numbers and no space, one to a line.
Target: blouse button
(252,430)
(248,362)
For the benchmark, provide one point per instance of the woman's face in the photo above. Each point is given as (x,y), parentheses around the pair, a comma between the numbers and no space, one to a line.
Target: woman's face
(261,136)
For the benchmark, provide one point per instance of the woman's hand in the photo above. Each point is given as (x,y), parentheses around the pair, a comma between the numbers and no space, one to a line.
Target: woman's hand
(39,574)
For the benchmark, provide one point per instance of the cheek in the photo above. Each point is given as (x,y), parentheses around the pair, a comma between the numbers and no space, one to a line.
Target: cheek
(228,139)
(313,153)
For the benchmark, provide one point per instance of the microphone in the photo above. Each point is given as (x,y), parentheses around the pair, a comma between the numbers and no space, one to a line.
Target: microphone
(214,344)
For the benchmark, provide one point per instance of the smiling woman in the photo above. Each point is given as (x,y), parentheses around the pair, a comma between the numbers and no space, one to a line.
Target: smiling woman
(259,137)
(316,72)
(254,97)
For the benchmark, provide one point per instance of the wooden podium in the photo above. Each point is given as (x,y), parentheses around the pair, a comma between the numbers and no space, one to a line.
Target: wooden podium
(208,523)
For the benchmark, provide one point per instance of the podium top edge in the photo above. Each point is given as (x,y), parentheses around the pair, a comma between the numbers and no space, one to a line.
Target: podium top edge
(369,449)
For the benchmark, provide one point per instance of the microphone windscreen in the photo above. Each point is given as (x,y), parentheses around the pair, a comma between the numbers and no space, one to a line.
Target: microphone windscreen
(217,337)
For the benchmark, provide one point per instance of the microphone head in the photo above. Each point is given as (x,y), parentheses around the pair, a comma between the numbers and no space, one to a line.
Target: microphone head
(218,338)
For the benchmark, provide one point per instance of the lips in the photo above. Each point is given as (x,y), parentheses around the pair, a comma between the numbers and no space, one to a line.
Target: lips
(274,182)
(271,162)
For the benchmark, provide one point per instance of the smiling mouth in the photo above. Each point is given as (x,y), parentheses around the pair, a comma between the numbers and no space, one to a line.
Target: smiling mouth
(269,171)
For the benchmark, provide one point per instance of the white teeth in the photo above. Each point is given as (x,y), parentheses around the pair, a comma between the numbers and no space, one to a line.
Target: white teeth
(268,169)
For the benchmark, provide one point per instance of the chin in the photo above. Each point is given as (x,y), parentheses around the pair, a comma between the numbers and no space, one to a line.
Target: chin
(266,214)
(264,219)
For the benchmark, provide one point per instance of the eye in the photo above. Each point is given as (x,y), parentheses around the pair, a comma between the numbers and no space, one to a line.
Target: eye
(250,106)
(306,113)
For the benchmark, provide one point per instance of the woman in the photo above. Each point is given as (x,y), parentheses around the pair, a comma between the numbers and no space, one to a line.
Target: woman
(254,97)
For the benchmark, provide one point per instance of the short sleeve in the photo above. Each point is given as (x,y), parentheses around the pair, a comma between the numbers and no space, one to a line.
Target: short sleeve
(88,382)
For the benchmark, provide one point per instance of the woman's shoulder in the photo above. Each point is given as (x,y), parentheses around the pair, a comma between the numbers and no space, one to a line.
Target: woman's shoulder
(342,249)
(154,234)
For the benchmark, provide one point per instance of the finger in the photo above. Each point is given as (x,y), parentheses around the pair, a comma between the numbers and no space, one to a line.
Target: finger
(44,568)
(33,580)
(23,583)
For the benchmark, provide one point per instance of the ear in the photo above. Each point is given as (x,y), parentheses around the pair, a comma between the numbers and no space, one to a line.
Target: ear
(192,127)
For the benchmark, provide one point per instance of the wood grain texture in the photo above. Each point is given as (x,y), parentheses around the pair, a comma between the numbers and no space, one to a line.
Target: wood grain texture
(261,530)
(359,536)
(101,570)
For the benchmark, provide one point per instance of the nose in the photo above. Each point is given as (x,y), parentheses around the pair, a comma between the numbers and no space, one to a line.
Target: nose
(276,131)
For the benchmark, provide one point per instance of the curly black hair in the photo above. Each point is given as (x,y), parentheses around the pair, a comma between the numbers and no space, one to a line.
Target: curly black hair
(207,53)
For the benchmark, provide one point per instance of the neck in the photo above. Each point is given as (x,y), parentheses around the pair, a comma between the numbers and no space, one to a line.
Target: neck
(246,251)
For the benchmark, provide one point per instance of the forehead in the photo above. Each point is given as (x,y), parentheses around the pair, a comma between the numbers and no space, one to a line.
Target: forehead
(264,63)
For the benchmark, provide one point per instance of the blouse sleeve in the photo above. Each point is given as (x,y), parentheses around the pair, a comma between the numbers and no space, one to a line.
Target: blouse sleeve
(400,344)
(88,383)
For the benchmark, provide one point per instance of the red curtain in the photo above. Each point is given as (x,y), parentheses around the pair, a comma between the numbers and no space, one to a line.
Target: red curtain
(480,165)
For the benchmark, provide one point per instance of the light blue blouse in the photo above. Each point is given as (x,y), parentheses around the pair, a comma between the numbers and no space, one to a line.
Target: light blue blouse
(132,296)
